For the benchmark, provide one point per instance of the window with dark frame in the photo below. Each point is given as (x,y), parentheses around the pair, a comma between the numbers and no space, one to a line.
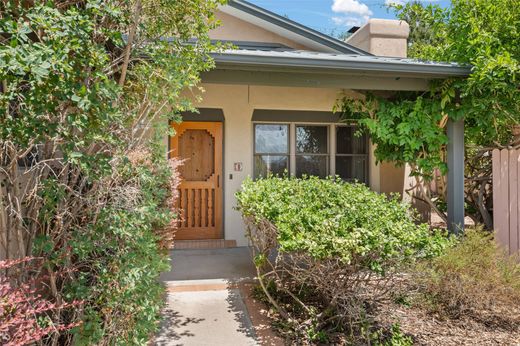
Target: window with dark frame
(271,149)
(310,150)
(351,154)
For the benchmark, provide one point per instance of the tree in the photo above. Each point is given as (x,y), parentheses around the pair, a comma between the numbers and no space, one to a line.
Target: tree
(410,127)
(86,86)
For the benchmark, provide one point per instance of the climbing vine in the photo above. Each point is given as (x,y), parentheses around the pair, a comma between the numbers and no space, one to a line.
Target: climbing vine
(410,128)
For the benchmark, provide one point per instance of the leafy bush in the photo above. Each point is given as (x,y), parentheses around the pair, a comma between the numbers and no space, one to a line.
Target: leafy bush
(25,317)
(333,219)
(120,256)
(77,103)
(324,249)
(473,275)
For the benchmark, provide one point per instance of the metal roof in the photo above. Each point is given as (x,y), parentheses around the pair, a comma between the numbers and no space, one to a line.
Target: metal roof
(295,28)
(261,46)
(321,62)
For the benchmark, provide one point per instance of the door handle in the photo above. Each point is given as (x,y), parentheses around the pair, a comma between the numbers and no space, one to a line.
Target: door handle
(218,181)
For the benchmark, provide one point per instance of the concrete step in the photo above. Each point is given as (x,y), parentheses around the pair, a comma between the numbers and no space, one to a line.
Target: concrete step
(203,244)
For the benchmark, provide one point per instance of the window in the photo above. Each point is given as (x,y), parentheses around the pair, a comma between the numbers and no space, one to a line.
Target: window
(271,149)
(311,149)
(351,154)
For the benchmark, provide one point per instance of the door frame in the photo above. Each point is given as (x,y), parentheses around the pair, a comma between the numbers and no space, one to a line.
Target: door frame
(208,116)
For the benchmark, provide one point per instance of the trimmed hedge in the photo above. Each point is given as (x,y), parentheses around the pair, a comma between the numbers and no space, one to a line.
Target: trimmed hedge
(333,219)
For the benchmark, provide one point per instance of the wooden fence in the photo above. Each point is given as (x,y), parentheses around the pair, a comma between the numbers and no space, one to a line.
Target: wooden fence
(506,197)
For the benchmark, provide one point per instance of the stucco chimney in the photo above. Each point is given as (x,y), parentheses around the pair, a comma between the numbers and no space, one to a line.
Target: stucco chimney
(382,37)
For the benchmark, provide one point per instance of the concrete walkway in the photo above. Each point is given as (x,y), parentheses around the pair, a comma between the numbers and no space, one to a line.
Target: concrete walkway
(209,302)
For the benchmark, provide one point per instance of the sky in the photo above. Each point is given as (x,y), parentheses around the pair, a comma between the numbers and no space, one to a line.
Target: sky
(333,16)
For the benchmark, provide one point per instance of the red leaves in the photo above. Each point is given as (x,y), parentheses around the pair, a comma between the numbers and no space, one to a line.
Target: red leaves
(25,314)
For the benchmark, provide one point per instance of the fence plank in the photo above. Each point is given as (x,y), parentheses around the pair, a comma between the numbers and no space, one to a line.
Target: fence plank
(496,189)
(503,207)
(513,200)
(517,231)
(506,198)
(500,197)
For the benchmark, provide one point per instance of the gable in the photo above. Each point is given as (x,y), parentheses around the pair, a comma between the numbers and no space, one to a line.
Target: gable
(235,29)
(282,29)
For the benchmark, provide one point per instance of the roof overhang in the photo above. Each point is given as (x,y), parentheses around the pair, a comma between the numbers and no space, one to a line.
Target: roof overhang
(288,28)
(311,62)
(309,69)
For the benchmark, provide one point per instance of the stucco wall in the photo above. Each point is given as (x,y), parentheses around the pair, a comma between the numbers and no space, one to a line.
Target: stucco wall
(235,29)
(238,103)
(386,37)
(392,178)
(382,37)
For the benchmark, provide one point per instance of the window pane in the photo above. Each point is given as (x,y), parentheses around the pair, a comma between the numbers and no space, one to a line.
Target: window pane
(271,139)
(265,164)
(311,139)
(312,165)
(351,168)
(348,143)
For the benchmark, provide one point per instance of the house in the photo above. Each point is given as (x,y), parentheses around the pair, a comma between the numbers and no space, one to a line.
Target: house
(267,107)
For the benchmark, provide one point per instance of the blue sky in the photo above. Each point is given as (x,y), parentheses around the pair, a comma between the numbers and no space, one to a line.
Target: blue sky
(332,16)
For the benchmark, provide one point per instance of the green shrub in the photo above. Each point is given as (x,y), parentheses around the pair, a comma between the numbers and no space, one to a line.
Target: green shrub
(475,274)
(118,257)
(123,250)
(326,250)
(334,219)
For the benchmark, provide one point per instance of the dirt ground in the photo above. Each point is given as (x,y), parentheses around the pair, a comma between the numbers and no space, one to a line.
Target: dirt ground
(430,329)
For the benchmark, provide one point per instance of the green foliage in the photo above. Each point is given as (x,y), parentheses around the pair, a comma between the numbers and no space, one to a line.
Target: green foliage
(333,219)
(327,251)
(486,35)
(84,85)
(396,338)
(123,260)
(481,33)
(39,77)
(427,27)
(405,130)
(473,275)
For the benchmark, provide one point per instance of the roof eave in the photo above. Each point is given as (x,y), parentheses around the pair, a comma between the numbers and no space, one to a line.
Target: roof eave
(230,61)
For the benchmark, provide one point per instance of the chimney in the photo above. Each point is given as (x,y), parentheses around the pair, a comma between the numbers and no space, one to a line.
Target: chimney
(382,37)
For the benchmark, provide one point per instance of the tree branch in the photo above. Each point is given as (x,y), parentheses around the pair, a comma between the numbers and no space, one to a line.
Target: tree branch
(131,36)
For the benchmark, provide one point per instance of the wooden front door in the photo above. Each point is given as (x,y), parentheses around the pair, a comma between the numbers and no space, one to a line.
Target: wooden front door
(199,145)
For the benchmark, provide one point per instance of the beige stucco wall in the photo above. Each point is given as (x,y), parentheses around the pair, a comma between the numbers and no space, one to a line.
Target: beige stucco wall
(382,37)
(391,178)
(238,103)
(235,29)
